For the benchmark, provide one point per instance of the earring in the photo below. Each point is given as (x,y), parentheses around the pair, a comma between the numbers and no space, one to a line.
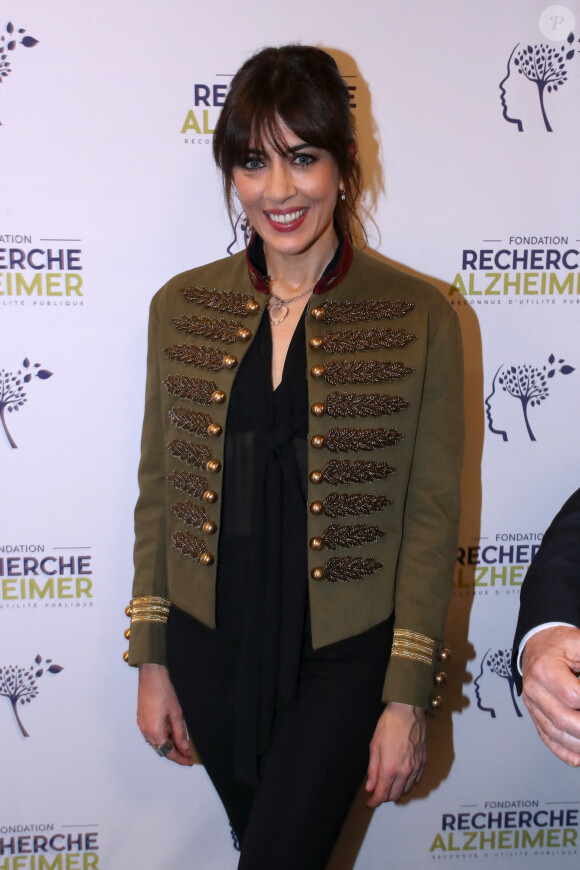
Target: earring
(342,195)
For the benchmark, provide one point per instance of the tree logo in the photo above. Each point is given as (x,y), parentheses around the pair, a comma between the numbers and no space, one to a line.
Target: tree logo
(526,383)
(12,395)
(542,65)
(489,691)
(20,685)
(8,42)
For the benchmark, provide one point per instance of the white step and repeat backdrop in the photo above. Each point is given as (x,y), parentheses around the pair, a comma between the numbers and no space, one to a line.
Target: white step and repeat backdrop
(470,142)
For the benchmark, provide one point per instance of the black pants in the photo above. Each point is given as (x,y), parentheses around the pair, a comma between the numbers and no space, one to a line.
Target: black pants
(319,751)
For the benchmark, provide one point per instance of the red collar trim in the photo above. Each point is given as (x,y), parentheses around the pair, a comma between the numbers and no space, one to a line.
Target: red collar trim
(328,280)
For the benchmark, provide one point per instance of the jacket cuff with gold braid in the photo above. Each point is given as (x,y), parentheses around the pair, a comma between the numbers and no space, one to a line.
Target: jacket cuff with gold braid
(148,615)
(415,670)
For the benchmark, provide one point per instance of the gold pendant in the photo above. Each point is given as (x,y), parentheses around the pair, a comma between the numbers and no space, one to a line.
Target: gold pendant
(277,313)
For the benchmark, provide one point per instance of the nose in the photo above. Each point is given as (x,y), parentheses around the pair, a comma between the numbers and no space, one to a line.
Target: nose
(280,184)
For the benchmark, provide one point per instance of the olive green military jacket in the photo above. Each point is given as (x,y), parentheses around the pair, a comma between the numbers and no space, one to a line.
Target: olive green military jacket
(384,371)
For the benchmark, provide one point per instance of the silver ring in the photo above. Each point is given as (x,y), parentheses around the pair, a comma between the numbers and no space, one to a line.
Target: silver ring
(164,749)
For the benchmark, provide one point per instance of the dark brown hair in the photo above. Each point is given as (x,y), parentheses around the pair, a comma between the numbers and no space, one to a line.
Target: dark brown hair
(299,86)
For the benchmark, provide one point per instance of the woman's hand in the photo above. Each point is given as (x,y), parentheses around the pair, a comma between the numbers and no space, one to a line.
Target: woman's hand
(397,753)
(159,715)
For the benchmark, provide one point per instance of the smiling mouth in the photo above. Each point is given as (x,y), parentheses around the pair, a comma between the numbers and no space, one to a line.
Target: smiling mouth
(288,218)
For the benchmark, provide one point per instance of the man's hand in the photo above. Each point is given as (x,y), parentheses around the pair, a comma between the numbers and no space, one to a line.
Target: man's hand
(551,690)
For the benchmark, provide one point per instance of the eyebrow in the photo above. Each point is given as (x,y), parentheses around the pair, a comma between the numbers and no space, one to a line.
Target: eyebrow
(294,149)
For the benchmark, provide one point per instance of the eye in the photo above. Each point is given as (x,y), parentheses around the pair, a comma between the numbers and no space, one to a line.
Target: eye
(253,163)
(304,159)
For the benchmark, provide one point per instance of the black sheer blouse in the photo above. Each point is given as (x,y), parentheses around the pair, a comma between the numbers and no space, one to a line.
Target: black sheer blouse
(262,577)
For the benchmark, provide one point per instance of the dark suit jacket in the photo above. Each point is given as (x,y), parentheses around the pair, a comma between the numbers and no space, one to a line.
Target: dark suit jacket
(551,588)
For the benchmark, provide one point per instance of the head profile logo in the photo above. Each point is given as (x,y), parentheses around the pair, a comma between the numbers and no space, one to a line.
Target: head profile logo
(538,70)
(20,685)
(494,682)
(9,41)
(242,235)
(528,385)
(12,393)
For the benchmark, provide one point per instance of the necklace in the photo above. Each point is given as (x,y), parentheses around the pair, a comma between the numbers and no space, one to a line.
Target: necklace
(278,310)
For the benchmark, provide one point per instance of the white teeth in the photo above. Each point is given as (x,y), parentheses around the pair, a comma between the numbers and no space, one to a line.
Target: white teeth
(287,218)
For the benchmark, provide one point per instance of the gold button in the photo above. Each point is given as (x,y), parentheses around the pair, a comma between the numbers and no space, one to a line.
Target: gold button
(317,543)
(126,656)
(317,507)
(317,573)
(318,409)
(206,559)
(437,703)
(316,343)
(214,429)
(318,441)
(213,466)
(445,655)
(127,633)
(244,334)
(315,476)
(209,527)
(252,306)
(128,610)
(210,496)
(218,397)
(317,371)
(318,313)
(230,362)
(441,679)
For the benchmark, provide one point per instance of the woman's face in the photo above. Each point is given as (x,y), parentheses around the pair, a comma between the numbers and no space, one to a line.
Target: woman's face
(289,198)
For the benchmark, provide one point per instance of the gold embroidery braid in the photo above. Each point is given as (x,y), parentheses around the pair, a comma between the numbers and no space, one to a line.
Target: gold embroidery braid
(355,440)
(193,454)
(149,608)
(206,327)
(367,309)
(190,421)
(188,544)
(351,341)
(365,372)
(360,405)
(194,389)
(336,536)
(211,358)
(192,484)
(412,645)
(219,300)
(190,513)
(353,505)
(335,472)
(345,569)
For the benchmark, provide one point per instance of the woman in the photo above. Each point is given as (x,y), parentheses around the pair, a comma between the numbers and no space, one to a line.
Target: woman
(294,550)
